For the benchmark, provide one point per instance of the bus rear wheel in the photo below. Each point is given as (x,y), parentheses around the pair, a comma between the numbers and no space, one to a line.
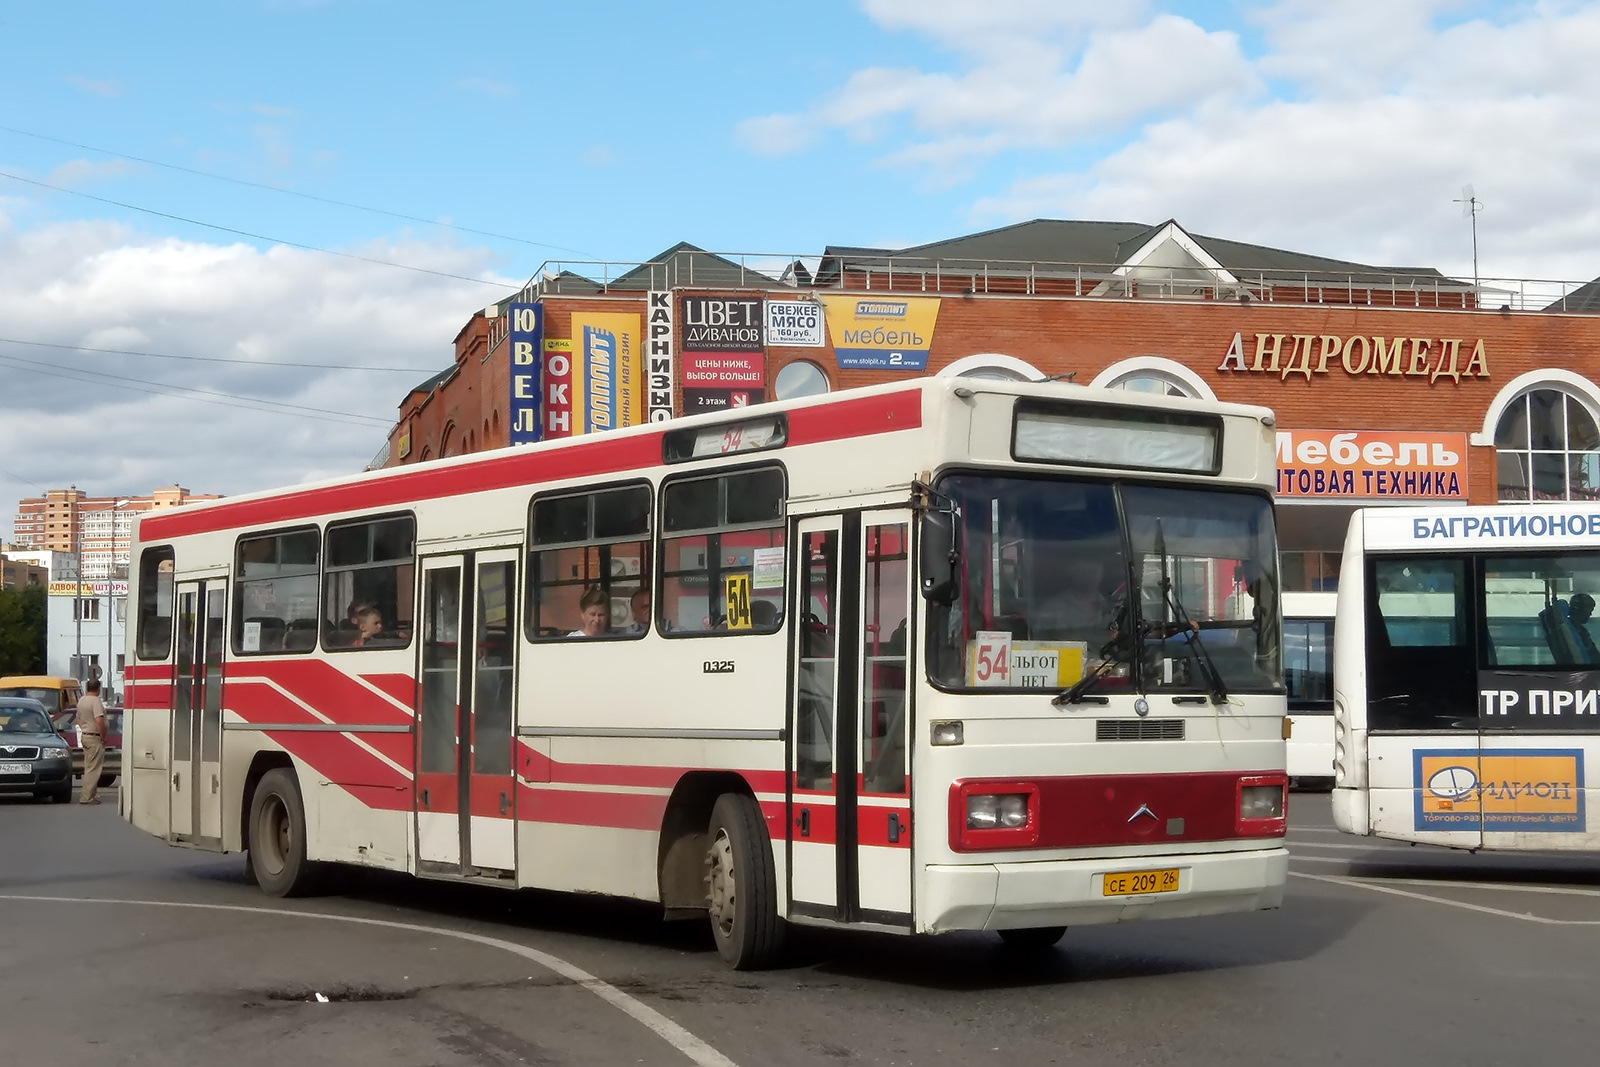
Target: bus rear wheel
(741,888)
(1032,938)
(278,838)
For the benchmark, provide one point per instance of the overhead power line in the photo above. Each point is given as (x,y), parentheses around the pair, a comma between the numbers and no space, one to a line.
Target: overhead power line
(294,192)
(191,392)
(221,359)
(254,236)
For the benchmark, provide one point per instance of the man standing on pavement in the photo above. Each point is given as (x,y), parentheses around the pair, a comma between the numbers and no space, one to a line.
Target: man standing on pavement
(92,735)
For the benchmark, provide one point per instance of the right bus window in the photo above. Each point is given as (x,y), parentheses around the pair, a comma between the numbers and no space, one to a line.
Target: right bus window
(722,553)
(1539,610)
(589,565)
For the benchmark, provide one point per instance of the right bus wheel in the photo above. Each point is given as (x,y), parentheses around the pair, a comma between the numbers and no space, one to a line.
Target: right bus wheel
(1033,938)
(278,838)
(741,888)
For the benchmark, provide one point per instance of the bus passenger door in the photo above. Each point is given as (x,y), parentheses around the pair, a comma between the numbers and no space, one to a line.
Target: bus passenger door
(466,791)
(883,805)
(491,847)
(439,749)
(819,676)
(196,813)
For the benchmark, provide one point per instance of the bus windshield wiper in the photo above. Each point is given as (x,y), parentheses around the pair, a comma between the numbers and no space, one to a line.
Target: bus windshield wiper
(1188,627)
(1074,693)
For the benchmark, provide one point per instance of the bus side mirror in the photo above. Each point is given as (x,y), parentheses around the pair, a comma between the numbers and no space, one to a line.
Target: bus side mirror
(940,555)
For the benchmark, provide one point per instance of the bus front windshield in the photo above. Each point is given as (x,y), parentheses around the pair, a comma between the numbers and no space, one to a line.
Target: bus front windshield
(1048,566)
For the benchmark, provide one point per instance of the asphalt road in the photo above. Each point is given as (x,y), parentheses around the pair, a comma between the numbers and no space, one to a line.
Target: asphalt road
(1381,954)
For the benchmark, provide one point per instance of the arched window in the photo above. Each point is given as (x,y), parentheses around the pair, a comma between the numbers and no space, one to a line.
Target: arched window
(995,366)
(1547,445)
(1153,374)
(800,378)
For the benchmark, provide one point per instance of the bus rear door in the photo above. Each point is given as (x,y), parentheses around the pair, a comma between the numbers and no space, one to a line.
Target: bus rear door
(196,743)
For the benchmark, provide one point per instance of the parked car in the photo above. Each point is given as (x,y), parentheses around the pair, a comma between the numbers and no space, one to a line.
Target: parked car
(34,758)
(56,694)
(67,726)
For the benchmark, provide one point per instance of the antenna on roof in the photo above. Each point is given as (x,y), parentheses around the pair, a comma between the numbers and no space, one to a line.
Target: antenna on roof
(1469,209)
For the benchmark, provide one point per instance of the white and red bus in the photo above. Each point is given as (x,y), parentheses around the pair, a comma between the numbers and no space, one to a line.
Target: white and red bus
(822,678)
(1467,680)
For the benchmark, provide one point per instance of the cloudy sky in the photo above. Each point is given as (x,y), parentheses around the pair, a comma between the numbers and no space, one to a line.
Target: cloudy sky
(233,235)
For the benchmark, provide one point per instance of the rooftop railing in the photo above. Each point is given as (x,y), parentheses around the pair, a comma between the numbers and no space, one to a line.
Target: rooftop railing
(876,272)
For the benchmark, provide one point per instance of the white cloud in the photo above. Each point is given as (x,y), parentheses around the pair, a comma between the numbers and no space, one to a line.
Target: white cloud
(1037,75)
(1348,135)
(1370,173)
(98,285)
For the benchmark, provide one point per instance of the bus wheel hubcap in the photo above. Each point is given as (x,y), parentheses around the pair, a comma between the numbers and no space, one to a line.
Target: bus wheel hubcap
(275,838)
(721,883)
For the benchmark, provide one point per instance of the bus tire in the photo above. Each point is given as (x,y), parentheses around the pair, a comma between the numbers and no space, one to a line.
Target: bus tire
(1033,938)
(741,888)
(278,838)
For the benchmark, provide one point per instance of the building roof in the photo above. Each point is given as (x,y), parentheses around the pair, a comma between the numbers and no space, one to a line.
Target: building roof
(1585,298)
(1104,245)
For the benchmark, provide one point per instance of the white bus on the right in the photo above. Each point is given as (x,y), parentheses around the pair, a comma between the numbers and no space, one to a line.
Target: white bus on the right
(1466,676)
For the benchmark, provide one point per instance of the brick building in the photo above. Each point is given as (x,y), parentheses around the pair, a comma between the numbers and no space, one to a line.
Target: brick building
(1391,385)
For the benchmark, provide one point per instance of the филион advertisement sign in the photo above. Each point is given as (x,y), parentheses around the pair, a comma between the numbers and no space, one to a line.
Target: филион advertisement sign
(1498,790)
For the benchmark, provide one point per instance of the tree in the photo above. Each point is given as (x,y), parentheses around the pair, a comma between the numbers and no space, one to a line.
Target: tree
(23,630)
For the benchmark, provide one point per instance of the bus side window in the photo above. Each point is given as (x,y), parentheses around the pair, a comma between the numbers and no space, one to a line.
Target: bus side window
(274,574)
(593,545)
(723,556)
(370,574)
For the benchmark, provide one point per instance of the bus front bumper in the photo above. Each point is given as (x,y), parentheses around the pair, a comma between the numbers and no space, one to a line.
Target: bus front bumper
(1005,896)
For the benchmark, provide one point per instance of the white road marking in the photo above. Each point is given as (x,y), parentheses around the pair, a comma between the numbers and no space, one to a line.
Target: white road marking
(663,1027)
(1354,883)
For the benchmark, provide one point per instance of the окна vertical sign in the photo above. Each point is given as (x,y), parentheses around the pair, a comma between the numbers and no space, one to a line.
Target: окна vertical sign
(557,387)
(658,327)
(526,338)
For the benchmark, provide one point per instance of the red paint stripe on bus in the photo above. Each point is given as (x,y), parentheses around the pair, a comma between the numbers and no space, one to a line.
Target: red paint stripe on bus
(324,686)
(337,756)
(619,811)
(857,417)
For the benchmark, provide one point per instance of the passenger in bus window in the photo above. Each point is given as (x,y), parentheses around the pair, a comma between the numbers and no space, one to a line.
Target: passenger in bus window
(639,609)
(1580,608)
(593,608)
(369,626)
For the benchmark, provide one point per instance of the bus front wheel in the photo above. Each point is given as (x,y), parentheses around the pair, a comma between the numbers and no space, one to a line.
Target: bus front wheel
(741,887)
(278,837)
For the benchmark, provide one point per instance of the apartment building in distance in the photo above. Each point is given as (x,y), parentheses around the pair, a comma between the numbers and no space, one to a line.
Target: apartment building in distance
(58,520)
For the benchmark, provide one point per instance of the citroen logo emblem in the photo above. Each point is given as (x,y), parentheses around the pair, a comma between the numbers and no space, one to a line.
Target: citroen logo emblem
(1144,809)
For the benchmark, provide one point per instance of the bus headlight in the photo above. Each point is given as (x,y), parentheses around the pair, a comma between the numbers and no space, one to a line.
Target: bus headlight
(946,732)
(997,811)
(1263,805)
(994,814)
